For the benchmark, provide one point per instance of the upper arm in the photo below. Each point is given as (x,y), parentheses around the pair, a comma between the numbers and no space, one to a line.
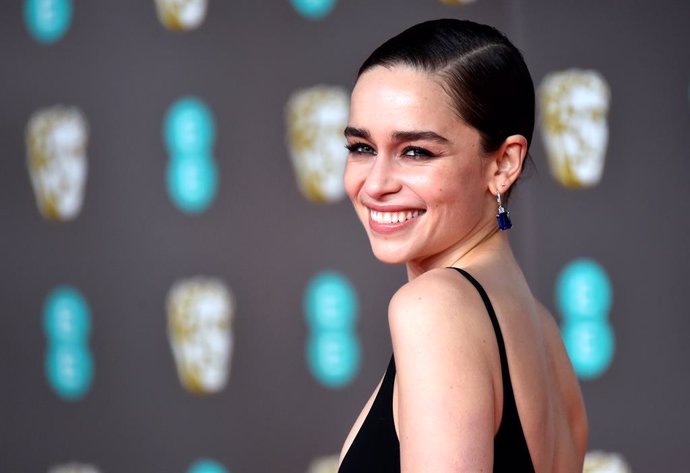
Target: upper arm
(443,341)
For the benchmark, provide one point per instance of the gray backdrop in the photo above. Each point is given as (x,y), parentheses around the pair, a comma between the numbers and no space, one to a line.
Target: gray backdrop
(123,69)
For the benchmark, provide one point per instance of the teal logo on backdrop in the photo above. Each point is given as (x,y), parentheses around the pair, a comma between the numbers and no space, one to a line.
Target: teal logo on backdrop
(47,20)
(189,127)
(192,174)
(583,291)
(590,346)
(584,298)
(207,466)
(313,9)
(330,309)
(67,325)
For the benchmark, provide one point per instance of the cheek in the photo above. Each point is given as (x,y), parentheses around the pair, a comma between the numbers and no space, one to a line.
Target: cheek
(437,187)
(450,191)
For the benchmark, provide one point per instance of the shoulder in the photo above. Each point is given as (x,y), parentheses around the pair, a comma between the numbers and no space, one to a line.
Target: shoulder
(438,299)
(447,372)
(440,330)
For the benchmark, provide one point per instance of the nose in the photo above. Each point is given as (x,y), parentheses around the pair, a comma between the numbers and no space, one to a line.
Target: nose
(382,178)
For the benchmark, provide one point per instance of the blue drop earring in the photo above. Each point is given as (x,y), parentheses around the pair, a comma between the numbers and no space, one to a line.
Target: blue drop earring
(503,216)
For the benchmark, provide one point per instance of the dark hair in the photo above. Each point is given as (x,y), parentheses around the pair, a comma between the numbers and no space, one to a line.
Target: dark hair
(481,70)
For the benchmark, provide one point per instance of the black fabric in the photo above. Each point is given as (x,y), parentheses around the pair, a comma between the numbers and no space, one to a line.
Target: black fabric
(376,448)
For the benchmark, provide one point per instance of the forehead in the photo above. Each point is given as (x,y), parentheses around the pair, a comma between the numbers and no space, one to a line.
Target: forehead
(400,98)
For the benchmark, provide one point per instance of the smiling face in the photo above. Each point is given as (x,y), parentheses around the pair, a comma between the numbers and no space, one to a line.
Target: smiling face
(416,173)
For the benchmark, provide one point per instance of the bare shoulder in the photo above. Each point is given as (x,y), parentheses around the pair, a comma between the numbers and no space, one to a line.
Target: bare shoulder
(436,294)
(446,374)
(437,308)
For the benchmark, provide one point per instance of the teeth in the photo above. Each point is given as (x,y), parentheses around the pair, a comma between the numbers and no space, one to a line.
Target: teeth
(393,217)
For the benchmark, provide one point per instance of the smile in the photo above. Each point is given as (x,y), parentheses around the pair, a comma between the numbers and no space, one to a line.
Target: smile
(393,217)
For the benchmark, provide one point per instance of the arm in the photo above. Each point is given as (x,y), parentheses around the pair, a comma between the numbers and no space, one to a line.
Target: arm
(446,358)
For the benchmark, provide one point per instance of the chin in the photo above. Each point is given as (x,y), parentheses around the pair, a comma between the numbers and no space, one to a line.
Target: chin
(388,254)
(390,260)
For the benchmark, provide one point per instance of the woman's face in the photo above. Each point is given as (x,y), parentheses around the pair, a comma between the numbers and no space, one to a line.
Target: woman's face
(415,172)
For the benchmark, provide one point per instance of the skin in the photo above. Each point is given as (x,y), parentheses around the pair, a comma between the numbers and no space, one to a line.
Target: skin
(410,152)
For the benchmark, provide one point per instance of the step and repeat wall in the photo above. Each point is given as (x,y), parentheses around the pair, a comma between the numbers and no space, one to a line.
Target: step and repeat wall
(185,288)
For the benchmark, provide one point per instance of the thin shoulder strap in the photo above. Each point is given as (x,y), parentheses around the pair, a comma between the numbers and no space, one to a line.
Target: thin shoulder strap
(511,452)
(497,328)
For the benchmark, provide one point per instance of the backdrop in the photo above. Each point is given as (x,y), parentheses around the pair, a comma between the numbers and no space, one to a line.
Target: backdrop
(187,300)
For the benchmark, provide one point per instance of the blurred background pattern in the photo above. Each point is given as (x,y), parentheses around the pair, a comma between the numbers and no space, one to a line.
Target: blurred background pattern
(184,287)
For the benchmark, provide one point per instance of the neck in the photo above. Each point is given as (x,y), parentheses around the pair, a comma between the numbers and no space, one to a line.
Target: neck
(489,241)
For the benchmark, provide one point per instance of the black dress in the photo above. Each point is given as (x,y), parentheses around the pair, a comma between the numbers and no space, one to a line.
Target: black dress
(376,448)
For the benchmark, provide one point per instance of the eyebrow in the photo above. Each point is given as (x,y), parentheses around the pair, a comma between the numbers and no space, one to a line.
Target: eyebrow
(419,136)
(399,135)
(356,132)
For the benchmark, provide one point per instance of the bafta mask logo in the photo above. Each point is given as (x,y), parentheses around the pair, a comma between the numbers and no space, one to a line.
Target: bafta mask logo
(56,141)
(330,307)
(67,325)
(574,106)
(47,20)
(327,464)
(316,118)
(200,315)
(313,9)
(602,462)
(192,174)
(583,297)
(74,468)
(181,15)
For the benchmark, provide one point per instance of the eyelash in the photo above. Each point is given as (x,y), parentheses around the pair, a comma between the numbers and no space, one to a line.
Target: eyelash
(358,149)
(418,153)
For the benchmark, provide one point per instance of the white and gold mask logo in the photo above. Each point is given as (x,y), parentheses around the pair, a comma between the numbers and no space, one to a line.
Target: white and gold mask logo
(601,462)
(316,118)
(574,107)
(181,15)
(327,464)
(56,141)
(200,314)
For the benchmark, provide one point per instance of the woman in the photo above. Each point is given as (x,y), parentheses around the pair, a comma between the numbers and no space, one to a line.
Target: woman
(440,123)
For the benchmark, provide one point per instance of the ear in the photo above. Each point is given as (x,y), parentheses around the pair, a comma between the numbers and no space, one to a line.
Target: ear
(506,164)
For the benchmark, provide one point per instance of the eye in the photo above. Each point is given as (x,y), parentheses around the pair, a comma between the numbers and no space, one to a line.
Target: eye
(415,152)
(360,148)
